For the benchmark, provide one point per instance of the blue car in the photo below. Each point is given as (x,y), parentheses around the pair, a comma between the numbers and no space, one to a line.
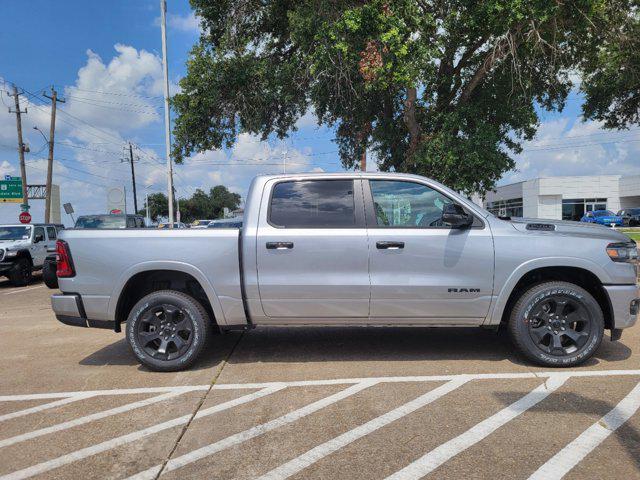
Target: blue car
(602,217)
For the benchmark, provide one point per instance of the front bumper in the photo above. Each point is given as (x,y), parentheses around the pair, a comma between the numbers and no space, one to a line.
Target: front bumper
(625,304)
(69,310)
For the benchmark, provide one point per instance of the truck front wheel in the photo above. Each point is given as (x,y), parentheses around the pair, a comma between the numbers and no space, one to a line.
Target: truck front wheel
(167,330)
(21,274)
(557,324)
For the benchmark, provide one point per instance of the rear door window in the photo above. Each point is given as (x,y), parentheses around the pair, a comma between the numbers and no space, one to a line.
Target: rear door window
(313,204)
(51,233)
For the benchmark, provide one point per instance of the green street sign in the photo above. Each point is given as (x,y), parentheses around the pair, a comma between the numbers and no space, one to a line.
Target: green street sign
(11,190)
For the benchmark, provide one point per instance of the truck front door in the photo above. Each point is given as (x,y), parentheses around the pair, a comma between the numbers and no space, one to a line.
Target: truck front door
(420,268)
(312,250)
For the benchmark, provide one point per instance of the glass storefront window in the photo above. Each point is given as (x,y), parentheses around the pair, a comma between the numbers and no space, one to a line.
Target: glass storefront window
(575,208)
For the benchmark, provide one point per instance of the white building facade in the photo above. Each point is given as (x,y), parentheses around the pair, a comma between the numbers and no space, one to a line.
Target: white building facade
(566,198)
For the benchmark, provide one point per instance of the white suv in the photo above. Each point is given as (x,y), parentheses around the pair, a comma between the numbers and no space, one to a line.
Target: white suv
(24,248)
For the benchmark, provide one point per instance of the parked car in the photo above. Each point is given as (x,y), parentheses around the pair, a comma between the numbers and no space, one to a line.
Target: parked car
(110,221)
(177,225)
(630,217)
(200,223)
(24,249)
(602,217)
(353,249)
(226,223)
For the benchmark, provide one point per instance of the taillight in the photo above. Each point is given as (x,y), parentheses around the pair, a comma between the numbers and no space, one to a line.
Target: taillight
(65,264)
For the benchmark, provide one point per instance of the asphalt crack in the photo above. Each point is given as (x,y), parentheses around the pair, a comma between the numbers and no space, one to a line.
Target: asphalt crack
(198,406)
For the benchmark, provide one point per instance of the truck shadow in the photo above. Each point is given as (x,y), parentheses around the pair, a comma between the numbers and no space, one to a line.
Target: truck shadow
(353,344)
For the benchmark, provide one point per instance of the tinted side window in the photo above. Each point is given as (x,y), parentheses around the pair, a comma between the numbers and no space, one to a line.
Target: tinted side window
(51,233)
(39,231)
(407,204)
(313,204)
(131,223)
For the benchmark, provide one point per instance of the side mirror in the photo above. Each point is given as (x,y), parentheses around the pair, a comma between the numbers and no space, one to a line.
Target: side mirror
(454,215)
(38,238)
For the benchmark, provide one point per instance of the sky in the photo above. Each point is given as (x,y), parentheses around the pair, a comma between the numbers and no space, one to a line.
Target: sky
(104,60)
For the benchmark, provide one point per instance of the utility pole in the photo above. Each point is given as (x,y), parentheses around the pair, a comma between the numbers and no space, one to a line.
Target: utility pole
(363,161)
(52,132)
(284,161)
(133,179)
(21,149)
(167,121)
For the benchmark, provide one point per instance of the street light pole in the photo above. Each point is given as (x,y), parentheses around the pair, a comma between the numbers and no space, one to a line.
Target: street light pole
(167,123)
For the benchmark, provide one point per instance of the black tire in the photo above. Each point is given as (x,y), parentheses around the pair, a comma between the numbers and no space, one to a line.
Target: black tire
(556,324)
(21,272)
(167,330)
(49,273)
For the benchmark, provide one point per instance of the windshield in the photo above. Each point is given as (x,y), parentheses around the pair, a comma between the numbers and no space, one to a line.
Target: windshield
(15,233)
(603,213)
(101,221)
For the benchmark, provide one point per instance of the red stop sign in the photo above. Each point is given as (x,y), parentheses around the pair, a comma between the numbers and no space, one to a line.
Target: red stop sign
(25,217)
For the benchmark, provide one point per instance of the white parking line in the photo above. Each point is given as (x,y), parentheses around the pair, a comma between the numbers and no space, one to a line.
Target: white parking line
(46,406)
(120,391)
(311,383)
(23,290)
(453,447)
(567,458)
(88,418)
(315,454)
(240,437)
(554,379)
(130,437)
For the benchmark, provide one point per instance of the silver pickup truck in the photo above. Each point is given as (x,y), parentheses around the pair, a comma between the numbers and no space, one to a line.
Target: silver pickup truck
(353,249)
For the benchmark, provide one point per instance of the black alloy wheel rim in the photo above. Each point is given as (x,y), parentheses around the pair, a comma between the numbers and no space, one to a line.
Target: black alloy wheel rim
(560,325)
(165,332)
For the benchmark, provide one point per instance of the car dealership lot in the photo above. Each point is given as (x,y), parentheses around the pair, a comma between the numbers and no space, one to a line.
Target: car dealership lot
(308,403)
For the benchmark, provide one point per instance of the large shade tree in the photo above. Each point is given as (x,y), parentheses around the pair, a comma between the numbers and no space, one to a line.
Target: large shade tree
(447,88)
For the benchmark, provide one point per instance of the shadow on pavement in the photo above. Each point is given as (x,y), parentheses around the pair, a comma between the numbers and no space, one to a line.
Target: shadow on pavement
(321,344)
(119,353)
(4,282)
(352,344)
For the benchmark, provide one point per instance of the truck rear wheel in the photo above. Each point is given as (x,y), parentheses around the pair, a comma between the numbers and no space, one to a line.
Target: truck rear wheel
(21,273)
(557,324)
(167,330)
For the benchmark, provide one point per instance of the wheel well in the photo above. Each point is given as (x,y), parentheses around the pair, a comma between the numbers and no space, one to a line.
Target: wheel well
(578,276)
(25,254)
(144,283)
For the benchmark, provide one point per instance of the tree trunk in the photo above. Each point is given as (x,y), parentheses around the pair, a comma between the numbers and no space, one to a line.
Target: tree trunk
(410,121)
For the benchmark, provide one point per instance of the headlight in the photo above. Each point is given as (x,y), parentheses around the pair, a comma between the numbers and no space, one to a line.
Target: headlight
(10,254)
(623,252)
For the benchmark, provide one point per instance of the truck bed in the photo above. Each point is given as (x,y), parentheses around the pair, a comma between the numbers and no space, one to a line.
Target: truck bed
(105,259)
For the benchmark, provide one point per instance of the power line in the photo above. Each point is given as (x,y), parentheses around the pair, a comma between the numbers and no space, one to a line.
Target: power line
(105,92)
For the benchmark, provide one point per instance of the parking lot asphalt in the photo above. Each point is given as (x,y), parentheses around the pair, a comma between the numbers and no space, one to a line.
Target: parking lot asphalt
(334,403)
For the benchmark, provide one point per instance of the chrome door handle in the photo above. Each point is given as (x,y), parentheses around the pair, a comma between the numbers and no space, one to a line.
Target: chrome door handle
(384,245)
(279,245)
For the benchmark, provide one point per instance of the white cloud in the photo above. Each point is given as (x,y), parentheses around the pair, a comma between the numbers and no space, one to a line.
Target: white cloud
(6,169)
(567,146)
(188,23)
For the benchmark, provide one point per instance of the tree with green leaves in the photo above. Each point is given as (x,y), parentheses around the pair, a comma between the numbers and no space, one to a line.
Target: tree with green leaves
(443,88)
(158,206)
(200,205)
(611,68)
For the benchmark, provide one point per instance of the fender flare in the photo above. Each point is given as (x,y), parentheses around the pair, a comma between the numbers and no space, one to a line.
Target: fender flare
(187,268)
(501,299)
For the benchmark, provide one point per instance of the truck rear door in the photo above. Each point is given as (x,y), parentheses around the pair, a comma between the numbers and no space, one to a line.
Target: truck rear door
(312,254)
(421,268)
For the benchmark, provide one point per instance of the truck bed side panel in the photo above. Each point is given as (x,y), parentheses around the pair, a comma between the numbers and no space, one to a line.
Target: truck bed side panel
(106,259)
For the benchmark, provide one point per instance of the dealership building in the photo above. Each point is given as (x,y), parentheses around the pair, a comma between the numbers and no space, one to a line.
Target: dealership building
(566,198)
